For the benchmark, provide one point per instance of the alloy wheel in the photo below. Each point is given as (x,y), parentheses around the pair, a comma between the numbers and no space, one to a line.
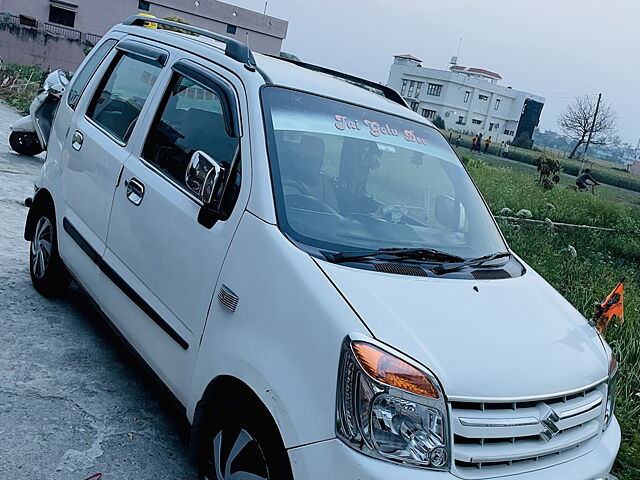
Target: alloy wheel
(236,456)
(41,247)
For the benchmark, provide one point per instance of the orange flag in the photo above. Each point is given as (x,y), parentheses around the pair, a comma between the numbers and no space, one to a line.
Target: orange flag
(612,306)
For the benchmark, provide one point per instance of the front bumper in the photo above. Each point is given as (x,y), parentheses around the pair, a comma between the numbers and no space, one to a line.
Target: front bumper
(333,460)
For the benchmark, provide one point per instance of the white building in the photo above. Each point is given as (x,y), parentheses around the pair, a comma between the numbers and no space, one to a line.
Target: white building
(468,99)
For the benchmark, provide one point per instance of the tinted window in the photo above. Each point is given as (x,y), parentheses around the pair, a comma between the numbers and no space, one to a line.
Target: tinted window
(81,78)
(120,97)
(190,119)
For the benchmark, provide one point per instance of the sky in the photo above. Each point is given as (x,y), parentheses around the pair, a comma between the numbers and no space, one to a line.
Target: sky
(558,49)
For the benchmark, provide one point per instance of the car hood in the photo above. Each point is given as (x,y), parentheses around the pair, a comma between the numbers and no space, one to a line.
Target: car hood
(502,339)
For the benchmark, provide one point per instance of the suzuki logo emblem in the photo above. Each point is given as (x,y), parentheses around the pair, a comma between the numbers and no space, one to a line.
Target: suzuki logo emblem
(549,423)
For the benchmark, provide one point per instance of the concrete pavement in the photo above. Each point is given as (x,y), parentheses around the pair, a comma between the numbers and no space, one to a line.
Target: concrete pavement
(73,400)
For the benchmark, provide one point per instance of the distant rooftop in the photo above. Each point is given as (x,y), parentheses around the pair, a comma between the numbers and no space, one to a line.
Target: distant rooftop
(408,57)
(476,71)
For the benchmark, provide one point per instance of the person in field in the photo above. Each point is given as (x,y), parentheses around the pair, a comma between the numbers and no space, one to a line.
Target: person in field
(487,144)
(584,178)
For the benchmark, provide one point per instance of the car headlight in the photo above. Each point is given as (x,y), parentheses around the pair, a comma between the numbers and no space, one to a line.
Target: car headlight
(611,389)
(389,408)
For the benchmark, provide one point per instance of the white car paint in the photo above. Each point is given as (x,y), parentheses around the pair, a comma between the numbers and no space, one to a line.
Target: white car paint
(518,328)
(511,339)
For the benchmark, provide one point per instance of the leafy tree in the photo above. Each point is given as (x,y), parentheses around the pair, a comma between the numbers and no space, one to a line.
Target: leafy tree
(577,120)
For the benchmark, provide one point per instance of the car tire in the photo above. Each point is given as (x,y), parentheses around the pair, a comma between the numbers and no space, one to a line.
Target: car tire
(238,441)
(25,143)
(48,273)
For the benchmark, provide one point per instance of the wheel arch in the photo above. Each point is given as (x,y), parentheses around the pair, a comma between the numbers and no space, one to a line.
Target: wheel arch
(220,390)
(41,199)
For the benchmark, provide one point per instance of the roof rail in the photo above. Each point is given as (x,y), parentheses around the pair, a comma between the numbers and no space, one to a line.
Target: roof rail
(370,85)
(234,49)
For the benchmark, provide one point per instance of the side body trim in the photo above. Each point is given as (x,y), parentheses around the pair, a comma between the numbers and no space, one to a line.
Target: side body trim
(122,284)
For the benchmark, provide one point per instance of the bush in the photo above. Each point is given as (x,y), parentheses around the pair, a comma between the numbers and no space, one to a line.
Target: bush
(548,168)
(439,122)
(174,29)
(523,141)
(26,80)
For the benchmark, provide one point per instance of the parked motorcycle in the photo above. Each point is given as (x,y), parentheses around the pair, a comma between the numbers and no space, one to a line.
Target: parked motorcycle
(30,134)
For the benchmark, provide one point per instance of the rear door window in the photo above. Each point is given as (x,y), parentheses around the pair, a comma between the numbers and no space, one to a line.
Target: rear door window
(82,77)
(119,99)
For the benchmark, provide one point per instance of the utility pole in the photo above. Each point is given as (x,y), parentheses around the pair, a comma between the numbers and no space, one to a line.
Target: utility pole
(593,125)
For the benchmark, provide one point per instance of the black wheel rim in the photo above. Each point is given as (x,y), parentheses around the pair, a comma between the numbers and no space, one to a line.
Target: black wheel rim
(41,247)
(236,455)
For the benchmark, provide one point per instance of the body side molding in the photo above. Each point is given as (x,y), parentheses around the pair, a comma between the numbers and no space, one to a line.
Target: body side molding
(122,284)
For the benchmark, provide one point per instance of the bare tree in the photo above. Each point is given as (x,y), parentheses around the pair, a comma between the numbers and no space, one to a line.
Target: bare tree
(577,120)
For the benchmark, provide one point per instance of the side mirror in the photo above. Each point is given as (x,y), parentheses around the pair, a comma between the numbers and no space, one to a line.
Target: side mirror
(450,213)
(204,176)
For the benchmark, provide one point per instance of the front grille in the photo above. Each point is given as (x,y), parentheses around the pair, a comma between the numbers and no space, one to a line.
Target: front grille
(492,439)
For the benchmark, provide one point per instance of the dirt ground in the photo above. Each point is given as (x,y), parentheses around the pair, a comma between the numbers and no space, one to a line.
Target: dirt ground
(73,400)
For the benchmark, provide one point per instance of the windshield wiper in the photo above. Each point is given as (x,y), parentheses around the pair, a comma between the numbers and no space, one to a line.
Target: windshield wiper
(474,262)
(425,254)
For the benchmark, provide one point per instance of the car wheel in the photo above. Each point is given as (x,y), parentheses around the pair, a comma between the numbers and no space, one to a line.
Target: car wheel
(239,444)
(48,274)
(25,143)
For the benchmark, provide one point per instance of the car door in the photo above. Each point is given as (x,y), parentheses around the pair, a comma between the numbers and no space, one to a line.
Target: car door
(65,115)
(164,263)
(95,150)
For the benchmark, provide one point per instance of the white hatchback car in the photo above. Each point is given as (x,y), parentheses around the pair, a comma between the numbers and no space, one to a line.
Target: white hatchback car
(306,265)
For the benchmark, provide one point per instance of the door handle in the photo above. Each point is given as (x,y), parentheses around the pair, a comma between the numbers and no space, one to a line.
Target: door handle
(77,139)
(134,191)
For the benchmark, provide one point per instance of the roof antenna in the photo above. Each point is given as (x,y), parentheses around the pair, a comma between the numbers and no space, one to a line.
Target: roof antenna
(454,60)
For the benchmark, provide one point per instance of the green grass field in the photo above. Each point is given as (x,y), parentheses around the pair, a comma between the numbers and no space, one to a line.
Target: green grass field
(602,259)
(605,172)
(615,194)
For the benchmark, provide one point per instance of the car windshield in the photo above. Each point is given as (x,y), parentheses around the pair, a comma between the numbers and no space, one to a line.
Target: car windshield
(348,178)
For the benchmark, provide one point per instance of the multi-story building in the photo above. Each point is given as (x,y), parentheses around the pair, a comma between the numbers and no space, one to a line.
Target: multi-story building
(469,100)
(56,33)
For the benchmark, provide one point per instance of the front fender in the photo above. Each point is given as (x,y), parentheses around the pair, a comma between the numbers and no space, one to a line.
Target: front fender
(283,341)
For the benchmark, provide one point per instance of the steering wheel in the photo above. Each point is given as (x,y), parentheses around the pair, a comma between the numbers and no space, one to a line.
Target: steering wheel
(297,184)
